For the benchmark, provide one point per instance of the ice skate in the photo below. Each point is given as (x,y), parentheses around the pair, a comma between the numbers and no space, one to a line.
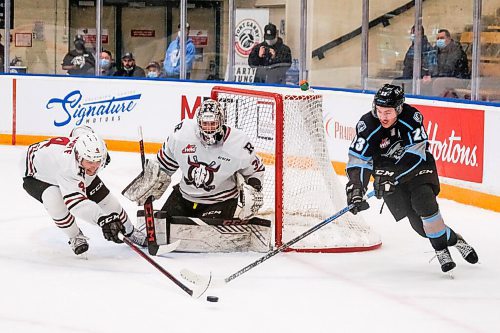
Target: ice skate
(79,243)
(137,237)
(467,251)
(444,257)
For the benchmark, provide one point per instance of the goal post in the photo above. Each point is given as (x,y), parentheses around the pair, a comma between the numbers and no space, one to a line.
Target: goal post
(300,186)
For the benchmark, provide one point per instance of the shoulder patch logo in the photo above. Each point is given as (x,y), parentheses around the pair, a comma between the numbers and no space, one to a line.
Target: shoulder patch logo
(418,117)
(361,126)
(189,149)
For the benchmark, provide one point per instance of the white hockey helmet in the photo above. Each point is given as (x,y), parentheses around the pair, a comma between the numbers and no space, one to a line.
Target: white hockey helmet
(211,119)
(92,148)
(80,130)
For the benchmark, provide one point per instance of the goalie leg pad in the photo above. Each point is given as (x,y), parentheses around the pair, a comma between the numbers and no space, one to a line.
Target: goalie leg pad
(161,230)
(153,181)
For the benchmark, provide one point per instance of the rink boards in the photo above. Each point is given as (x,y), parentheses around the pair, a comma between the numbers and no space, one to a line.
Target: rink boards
(463,136)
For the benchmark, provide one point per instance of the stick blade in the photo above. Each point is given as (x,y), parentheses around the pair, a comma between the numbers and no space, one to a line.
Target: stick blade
(202,286)
(164,249)
(199,279)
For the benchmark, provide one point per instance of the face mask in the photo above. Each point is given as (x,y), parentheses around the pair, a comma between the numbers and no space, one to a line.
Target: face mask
(179,34)
(271,42)
(440,43)
(152,74)
(412,37)
(80,45)
(128,67)
(105,63)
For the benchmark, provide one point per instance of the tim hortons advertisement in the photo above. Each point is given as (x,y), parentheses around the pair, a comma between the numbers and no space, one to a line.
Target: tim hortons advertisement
(456,137)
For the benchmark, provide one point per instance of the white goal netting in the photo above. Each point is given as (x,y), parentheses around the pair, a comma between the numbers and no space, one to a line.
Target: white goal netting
(301,188)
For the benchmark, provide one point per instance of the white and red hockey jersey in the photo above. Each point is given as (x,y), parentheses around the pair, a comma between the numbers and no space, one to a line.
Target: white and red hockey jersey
(208,171)
(53,161)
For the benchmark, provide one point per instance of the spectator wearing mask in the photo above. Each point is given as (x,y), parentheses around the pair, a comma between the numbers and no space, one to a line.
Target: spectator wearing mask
(428,58)
(172,62)
(153,70)
(79,61)
(108,66)
(272,57)
(129,68)
(451,59)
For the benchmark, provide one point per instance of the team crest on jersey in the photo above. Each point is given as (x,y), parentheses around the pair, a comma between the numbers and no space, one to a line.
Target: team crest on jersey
(189,149)
(418,117)
(201,174)
(395,151)
(361,126)
(385,143)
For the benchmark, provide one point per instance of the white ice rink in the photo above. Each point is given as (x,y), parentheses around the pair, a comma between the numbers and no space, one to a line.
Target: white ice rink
(44,287)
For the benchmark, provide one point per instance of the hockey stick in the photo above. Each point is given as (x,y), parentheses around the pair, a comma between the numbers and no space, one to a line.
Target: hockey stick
(198,279)
(148,207)
(195,293)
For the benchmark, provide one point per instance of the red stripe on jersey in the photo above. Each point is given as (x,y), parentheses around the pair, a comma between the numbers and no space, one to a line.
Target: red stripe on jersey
(166,161)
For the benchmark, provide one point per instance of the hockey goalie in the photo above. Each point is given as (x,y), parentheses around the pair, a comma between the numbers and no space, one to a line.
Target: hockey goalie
(213,207)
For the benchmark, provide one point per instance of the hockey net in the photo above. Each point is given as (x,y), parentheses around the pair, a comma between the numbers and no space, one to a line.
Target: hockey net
(300,186)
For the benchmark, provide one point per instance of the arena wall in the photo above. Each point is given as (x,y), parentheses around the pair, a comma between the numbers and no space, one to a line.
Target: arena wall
(463,136)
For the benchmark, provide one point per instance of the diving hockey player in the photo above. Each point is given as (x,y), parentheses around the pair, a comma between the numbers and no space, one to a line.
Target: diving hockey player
(391,144)
(61,173)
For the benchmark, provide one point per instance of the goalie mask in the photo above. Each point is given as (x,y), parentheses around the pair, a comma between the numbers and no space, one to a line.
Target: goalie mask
(92,148)
(390,96)
(211,120)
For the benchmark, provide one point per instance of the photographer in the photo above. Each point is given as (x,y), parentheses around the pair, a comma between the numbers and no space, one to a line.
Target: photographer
(272,57)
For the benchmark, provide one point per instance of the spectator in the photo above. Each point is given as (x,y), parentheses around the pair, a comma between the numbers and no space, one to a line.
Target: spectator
(129,68)
(452,60)
(272,57)
(79,61)
(171,64)
(153,70)
(428,62)
(108,65)
(1,55)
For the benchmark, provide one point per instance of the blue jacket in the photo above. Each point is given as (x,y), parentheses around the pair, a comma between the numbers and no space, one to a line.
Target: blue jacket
(172,64)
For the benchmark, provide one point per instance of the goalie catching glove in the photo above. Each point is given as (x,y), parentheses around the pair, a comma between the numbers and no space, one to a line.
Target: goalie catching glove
(153,181)
(251,199)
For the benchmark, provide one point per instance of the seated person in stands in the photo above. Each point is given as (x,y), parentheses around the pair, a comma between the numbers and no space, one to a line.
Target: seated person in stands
(272,57)
(428,62)
(108,66)
(129,68)
(451,59)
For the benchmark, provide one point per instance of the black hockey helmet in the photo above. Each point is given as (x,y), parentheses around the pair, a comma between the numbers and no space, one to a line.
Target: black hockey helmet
(390,96)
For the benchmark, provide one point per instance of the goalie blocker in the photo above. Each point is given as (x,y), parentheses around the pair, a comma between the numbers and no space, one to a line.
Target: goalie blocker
(211,234)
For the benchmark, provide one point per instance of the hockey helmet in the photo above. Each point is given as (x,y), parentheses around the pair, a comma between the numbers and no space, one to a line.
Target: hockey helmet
(91,147)
(80,130)
(211,119)
(390,96)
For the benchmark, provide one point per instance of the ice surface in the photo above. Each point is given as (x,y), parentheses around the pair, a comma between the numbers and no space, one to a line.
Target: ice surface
(46,288)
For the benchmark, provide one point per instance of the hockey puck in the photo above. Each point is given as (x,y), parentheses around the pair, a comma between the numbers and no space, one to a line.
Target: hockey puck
(212,298)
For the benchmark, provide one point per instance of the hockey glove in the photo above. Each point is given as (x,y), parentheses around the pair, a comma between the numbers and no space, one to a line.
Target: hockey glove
(111,227)
(355,195)
(384,183)
(251,200)
(153,181)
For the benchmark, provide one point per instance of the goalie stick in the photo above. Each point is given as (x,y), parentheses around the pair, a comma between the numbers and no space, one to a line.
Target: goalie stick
(199,279)
(195,293)
(153,247)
